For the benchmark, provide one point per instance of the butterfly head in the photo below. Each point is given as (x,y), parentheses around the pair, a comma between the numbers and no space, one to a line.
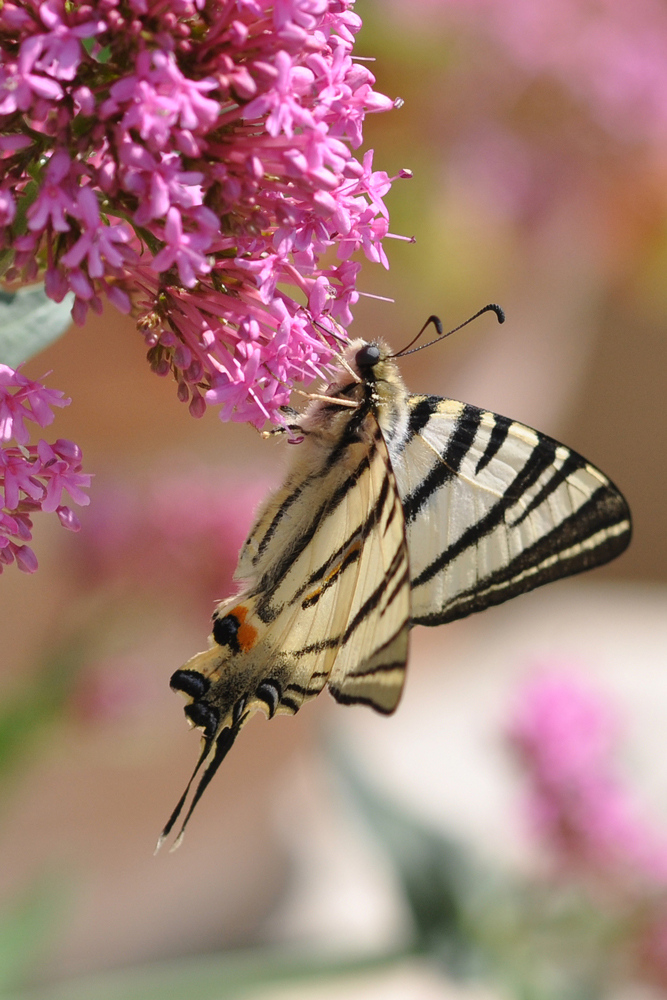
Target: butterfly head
(371,361)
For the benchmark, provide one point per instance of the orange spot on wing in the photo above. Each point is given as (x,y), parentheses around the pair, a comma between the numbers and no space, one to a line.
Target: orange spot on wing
(247,633)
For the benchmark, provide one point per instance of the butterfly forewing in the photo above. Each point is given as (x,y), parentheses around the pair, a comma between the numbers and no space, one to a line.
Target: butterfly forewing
(494,508)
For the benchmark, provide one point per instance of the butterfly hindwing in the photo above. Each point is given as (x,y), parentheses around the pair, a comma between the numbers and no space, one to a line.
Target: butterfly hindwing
(337,597)
(370,664)
(494,509)
(327,603)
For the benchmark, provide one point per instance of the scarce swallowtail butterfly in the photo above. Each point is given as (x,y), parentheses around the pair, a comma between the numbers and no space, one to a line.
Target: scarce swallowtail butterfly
(398,510)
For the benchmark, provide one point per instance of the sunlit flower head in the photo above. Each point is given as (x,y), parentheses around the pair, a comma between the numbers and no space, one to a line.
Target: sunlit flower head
(192,161)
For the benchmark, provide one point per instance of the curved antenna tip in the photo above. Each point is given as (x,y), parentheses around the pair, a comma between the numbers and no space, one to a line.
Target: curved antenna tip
(498,310)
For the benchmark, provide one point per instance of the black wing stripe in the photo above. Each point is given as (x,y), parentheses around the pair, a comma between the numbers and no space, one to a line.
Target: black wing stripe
(347,552)
(374,599)
(595,533)
(572,463)
(269,582)
(458,446)
(501,426)
(366,608)
(277,518)
(306,692)
(351,699)
(393,594)
(541,458)
(422,409)
(349,436)
(361,672)
(291,704)
(378,668)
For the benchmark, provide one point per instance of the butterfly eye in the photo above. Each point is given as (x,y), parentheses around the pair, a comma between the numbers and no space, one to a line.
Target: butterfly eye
(367,356)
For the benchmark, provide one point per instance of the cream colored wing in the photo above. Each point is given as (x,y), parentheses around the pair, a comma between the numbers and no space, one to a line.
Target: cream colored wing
(494,508)
(327,600)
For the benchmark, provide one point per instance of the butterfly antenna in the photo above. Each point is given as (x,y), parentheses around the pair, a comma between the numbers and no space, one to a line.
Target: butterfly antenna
(492,307)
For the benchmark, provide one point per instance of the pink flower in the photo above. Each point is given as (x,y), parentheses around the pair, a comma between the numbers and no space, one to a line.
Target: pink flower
(33,477)
(183,249)
(19,87)
(191,162)
(97,241)
(566,736)
(54,199)
(61,49)
(61,470)
(23,399)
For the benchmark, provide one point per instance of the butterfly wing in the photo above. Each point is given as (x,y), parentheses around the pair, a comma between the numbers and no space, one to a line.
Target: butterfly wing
(494,508)
(326,599)
(336,592)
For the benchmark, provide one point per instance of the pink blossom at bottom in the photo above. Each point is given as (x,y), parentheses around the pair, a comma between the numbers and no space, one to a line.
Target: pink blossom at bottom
(566,735)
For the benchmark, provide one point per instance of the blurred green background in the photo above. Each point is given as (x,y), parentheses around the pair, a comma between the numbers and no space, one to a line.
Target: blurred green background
(537,135)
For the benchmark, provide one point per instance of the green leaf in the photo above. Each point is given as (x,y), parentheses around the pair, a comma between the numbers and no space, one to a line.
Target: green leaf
(29,322)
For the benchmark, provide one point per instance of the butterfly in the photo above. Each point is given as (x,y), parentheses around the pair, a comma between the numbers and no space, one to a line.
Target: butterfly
(398,510)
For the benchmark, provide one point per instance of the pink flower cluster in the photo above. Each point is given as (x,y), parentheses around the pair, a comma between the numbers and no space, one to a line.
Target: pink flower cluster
(190,160)
(33,477)
(565,735)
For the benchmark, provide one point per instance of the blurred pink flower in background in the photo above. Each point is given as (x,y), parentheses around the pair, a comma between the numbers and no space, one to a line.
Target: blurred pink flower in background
(178,534)
(610,55)
(566,736)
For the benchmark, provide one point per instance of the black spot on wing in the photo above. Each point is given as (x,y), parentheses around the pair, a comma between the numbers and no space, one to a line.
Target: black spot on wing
(225,632)
(270,693)
(203,716)
(190,682)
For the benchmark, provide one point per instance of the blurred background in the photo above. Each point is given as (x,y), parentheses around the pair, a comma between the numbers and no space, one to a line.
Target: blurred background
(339,853)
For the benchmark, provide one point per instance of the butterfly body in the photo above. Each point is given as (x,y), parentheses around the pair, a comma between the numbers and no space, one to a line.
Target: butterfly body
(398,509)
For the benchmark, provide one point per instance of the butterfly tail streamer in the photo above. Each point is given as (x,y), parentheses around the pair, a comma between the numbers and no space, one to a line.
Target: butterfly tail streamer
(181,802)
(221,746)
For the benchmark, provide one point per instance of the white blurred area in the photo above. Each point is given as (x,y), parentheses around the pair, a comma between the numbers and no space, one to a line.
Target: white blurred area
(443,756)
